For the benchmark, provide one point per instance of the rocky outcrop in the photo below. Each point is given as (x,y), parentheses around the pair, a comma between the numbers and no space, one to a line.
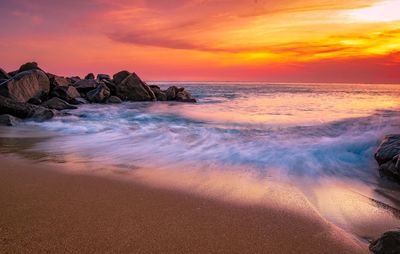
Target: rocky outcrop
(388,157)
(113,100)
(26,85)
(132,88)
(8,120)
(24,110)
(58,104)
(89,76)
(388,243)
(100,94)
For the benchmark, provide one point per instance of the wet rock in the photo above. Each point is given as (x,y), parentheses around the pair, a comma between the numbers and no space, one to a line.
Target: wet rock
(160,95)
(388,243)
(78,101)
(391,169)
(120,76)
(132,88)
(8,120)
(26,85)
(85,85)
(171,93)
(100,94)
(389,148)
(4,75)
(89,76)
(24,110)
(57,103)
(28,67)
(65,93)
(113,100)
(101,77)
(184,96)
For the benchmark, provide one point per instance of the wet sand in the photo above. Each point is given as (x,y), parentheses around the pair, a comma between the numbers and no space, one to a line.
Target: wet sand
(46,211)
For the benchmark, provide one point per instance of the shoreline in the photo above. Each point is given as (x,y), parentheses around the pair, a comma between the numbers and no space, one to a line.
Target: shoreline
(46,210)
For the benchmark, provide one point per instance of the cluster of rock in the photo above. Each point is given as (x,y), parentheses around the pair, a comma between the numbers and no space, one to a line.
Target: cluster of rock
(31,92)
(388,157)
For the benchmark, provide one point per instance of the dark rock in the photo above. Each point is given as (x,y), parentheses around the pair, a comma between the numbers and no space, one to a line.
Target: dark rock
(101,77)
(89,76)
(100,94)
(120,76)
(391,169)
(388,243)
(388,149)
(111,85)
(184,96)
(13,73)
(134,89)
(171,93)
(35,101)
(85,85)
(26,85)
(113,100)
(74,79)
(28,67)
(78,101)
(65,93)
(57,103)
(59,81)
(160,95)
(8,120)
(24,110)
(4,75)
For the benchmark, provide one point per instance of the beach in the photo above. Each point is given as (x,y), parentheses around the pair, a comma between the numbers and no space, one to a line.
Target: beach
(47,211)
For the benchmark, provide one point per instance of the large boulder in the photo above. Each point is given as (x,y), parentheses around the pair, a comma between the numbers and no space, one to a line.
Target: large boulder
(28,67)
(120,76)
(89,76)
(4,75)
(132,88)
(388,243)
(389,148)
(184,96)
(57,103)
(160,95)
(24,110)
(26,85)
(85,85)
(66,93)
(100,94)
(8,120)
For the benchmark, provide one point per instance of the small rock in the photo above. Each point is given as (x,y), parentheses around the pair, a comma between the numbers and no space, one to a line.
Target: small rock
(171,93)
(184,96)
(8,120)
(57,103)
(100,94)
(28,67)
(78,101)
(113,100)
(160,95)
(89,76)
(35,101)
(4,75)
(101,77)
(120,76)
(388,243)
(85,85)
(74,79)
(65,93)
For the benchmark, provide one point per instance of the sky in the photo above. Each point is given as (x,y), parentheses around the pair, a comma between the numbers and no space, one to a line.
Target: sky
(226,40)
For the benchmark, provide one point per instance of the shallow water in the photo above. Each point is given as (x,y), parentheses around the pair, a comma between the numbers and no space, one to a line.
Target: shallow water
(240,137)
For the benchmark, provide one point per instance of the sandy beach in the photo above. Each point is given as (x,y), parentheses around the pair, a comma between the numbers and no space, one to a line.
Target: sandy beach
(46,211)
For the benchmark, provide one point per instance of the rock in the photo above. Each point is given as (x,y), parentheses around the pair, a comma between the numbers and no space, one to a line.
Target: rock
(388,149)
(184,96)
(57,103)
(59,81)
(391,169)
(171,93)
(160,95)
(111,85)
(8,120)
(388,243)
(113,100)
(24,110)
(120,76)
(134,89)
(28,67)
(35,101)
(89,76)
(86,85)
(4,75)
(78,101)
(13,73)
(100,94)
(74,79)
(101,77)
(26,85)
(65,93)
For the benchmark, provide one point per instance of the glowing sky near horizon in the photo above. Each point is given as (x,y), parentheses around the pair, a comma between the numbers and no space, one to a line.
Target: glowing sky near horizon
(281,40)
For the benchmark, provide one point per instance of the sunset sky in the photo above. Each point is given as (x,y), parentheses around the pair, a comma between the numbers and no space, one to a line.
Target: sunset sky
(254,40)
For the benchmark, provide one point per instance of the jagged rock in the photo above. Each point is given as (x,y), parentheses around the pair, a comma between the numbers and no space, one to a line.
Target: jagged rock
(171,93)
(160,95)
(65,93)
(4,75)
(8,120)
(89,76)
(35,101)
(184,96)
(24,110)
(120,76)
(113,100)
(100,94)
(388,243)
(26,85)
(57,103)
(86,85)
(389,148)
(101,77)
(132,88)
(28,67)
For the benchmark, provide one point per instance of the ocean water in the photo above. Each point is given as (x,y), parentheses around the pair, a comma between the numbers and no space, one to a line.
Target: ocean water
(240,136)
